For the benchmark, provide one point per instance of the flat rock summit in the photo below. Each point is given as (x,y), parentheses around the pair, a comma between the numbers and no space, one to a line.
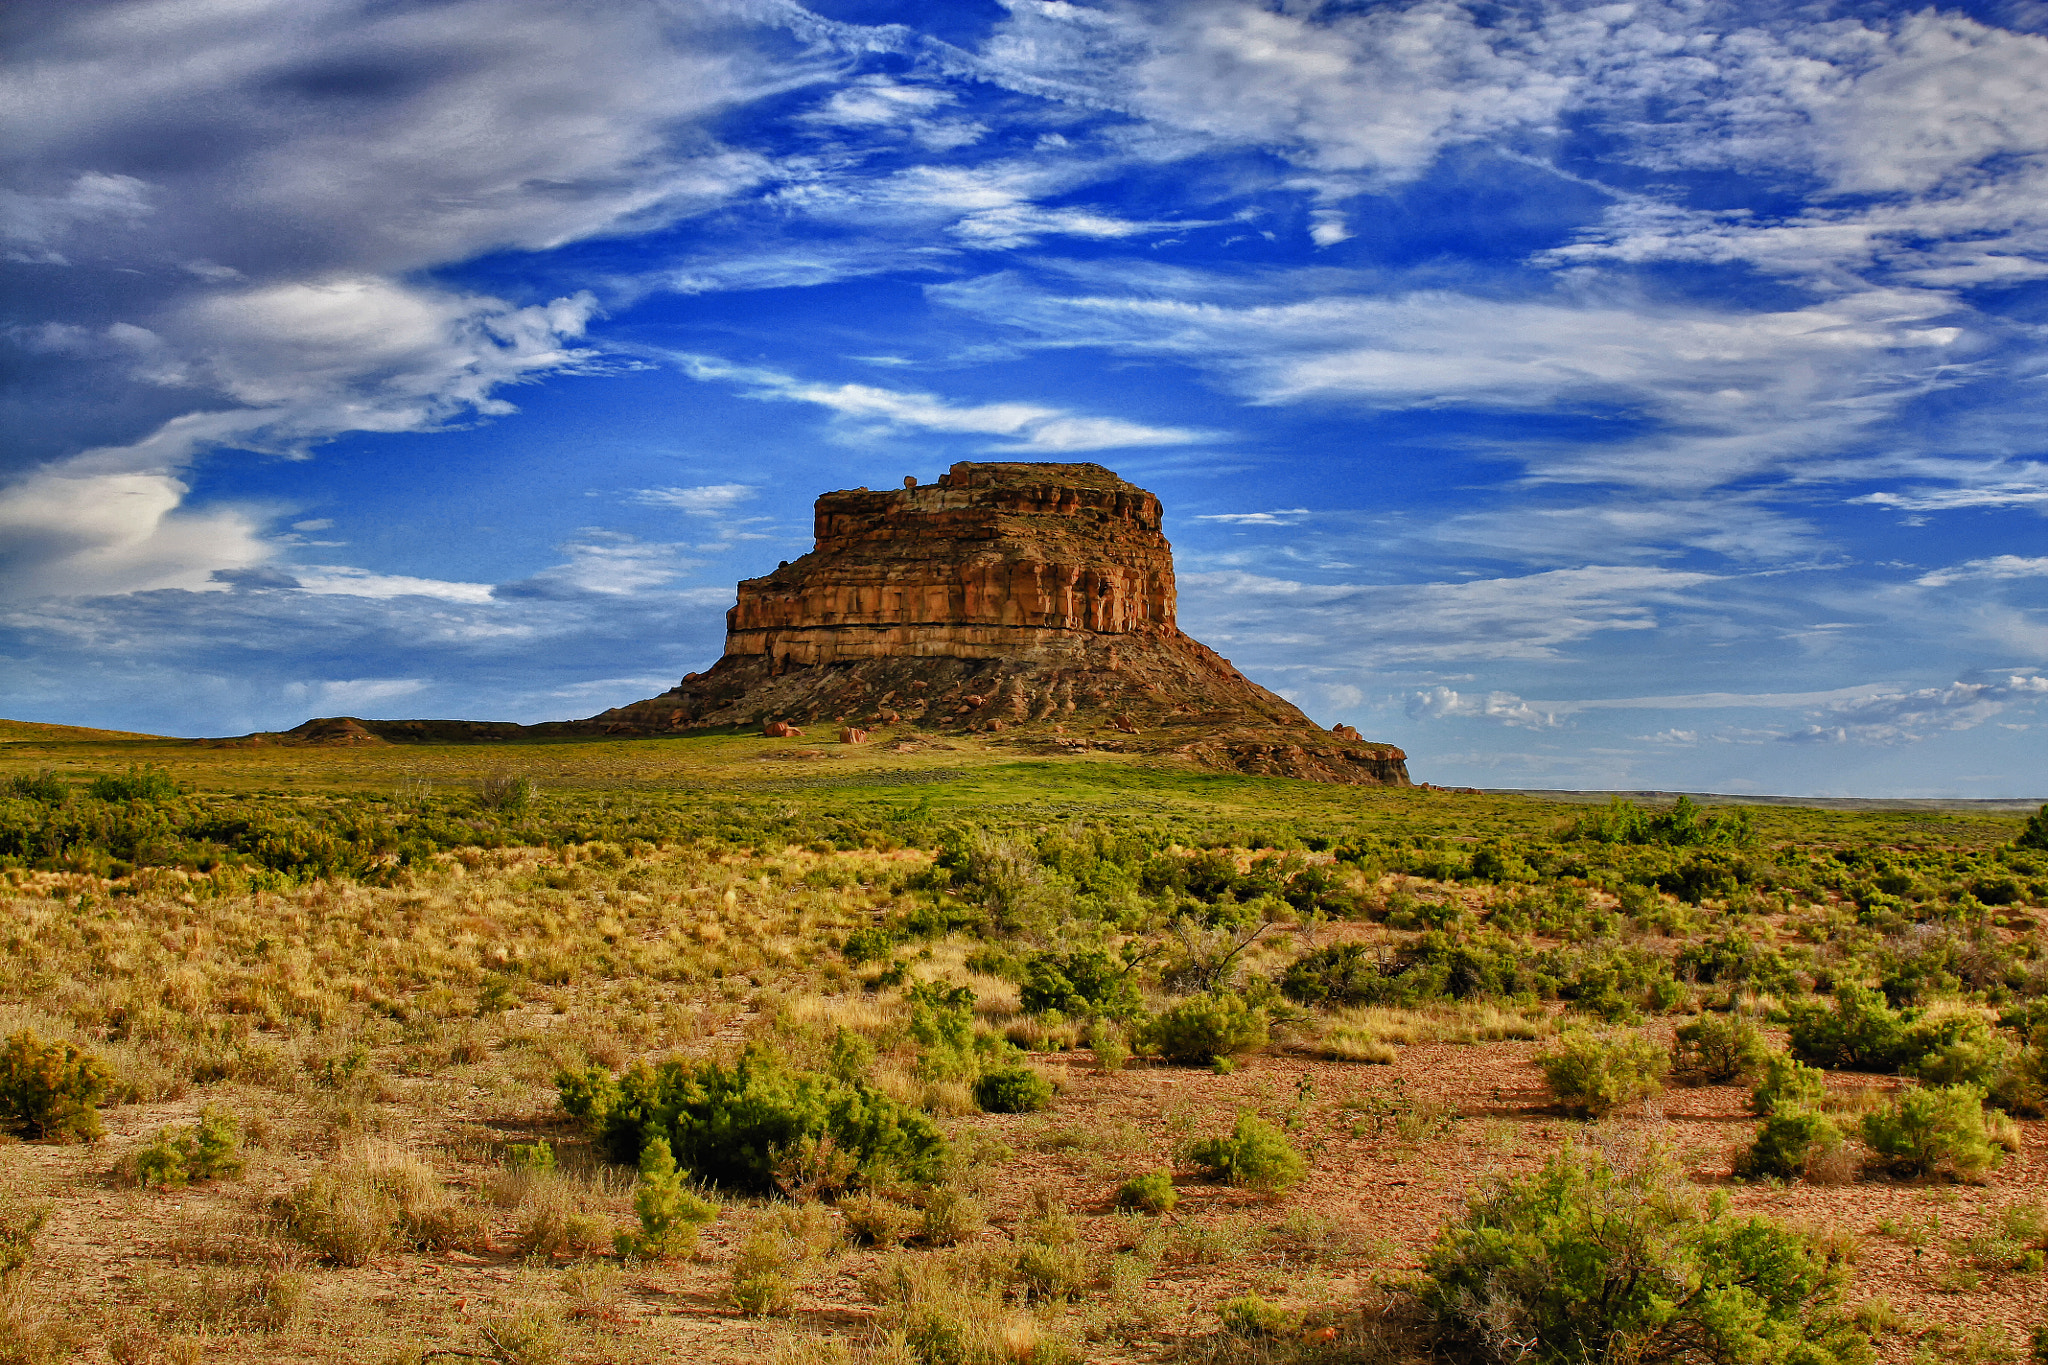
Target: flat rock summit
(1029,601)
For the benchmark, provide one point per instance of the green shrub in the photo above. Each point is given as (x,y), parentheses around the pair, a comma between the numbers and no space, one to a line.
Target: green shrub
(150,784)
(1790,1143)
(507,792)
(1929,1131)
(178,1156)
(668,1212)
(1953,1047)
(2035,833)
(1255,1155)
(44,786)
(1341,974)
(51,1090)
(1106,1040)
(734,1125)
(871,944)
(1864,1033)
(2021,1086)
(1716,1049)
(1685,825)
(1251,1316)
(533,1158)
(1151,1192)
(1785,1082)
(1013,1090)
(1860,1031)
(1199,1030)
(1079,984)
(1595,1076)
(1588,1262)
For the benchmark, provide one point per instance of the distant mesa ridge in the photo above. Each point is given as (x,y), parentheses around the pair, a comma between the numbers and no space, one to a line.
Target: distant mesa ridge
(1029,601)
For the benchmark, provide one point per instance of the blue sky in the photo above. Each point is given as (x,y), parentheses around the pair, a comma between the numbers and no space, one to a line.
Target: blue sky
(1590,395)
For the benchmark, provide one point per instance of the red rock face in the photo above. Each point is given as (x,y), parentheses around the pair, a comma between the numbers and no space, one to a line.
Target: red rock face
(1030,601)
(980,565)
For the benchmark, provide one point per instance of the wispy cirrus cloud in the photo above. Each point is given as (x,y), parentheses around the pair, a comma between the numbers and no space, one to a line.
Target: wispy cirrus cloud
(1286,516)
(1958,499)
(704,500)
(1994,569)
(866,409)
(1716,395)
(1532,617)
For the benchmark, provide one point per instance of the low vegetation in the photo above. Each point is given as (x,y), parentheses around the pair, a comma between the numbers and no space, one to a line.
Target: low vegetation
(1589,1260)
(946,1055)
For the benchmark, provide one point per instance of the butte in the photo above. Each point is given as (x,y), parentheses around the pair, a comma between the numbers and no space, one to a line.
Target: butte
(1034,602)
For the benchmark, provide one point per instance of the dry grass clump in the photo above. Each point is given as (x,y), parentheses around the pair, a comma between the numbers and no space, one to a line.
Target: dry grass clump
(376,1197)
(557,1220)
(956,1307)
(1339,1042)
(226,1299)
(951,1216)
(874,1220)
(779,1251)
(1447,1022)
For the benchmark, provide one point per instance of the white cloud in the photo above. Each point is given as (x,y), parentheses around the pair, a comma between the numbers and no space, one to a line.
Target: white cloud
(1436,703)
(1730,393)
(1867,713)
(351,694)
(1905,716)
(312,360)
(1286,516)
(299,364)
(605,564)
(1372,95)
(96,533)
(704,500)
(993,206)
(1696,701)
(340,580)
(1995,568)
(1637,524)
(297,164)
(1529,618)
(1923,131)
(1030,428)
(34,223)
(875,103)
(345,136)
(1954,499)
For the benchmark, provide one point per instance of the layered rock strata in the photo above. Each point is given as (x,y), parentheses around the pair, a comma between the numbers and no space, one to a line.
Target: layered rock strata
(1031,598)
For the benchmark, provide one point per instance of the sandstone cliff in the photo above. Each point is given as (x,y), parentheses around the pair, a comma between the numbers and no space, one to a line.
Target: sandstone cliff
(1036,599)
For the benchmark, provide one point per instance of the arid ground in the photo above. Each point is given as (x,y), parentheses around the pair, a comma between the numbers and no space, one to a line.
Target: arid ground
(368,968)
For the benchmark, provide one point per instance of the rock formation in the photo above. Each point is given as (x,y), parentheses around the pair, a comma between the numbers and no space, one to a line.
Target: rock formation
(1035,599)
